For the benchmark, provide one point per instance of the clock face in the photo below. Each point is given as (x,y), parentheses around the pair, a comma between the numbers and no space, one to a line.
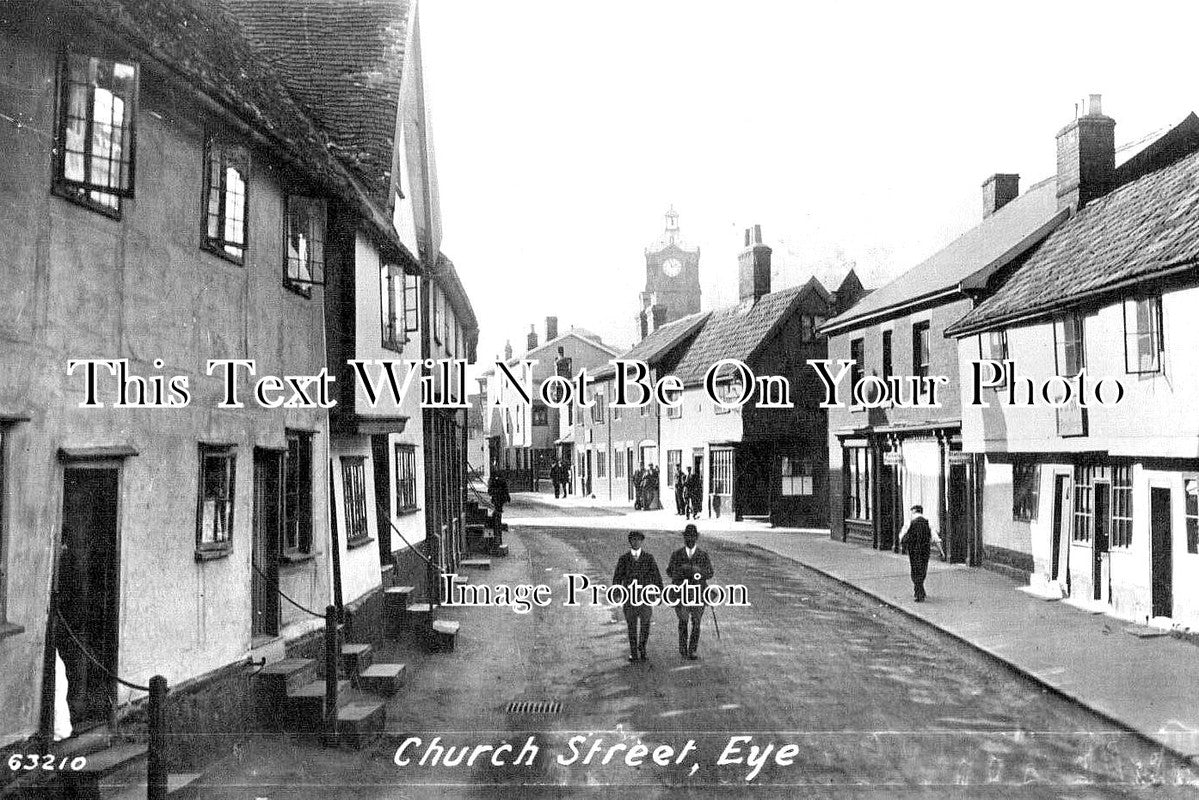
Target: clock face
(672,266)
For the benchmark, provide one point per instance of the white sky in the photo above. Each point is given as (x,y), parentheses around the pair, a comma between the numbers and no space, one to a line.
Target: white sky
(853,132)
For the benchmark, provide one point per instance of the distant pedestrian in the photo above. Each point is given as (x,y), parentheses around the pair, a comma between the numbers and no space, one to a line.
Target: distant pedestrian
(652,490)
(556,477)
(637,567)
(680,490)
(497,490)
(639,489)
(917,538)
(690,566)
(695,493)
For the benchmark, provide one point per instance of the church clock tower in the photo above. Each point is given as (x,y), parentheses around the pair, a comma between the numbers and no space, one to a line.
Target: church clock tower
(671,279)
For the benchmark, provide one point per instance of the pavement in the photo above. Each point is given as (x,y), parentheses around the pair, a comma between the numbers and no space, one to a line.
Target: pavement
(1146,684)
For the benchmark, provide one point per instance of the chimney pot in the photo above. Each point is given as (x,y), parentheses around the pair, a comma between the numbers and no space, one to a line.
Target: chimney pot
(754,266)
(532,342)
(1086,157)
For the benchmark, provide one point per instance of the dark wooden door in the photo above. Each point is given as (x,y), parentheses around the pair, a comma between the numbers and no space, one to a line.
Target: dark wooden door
(1160,556)
(268,524)
(1061,522)
(1099,541)
(87,593)
(958,516)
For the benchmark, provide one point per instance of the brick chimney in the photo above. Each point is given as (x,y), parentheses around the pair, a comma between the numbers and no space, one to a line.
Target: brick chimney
(998,191)
(508,350)
(659,312)
(551,328)
(532,340)
(1086,156)
(754,274)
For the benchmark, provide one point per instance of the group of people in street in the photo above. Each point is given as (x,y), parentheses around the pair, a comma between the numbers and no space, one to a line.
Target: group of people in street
(688,493)
(688,565)
(646,489)
(560,477)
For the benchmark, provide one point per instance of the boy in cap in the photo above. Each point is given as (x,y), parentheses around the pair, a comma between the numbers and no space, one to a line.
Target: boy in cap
(637,566)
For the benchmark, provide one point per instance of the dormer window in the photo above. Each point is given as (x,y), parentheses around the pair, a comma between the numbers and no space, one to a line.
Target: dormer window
(305,243)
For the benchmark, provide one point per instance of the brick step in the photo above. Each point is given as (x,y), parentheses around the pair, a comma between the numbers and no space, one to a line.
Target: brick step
(355,658)
(444,634)
(360,722)
(384,678)
(304,709)
(276,680)
(475,563)
(133,786)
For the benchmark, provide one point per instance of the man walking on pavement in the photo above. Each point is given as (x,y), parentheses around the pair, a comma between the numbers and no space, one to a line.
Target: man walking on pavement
(680,490)
(689,565)
(918,538)
(637,567)
(556,477)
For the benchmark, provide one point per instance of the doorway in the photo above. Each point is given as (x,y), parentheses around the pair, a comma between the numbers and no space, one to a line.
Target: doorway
(1061,521)
(268,523)
(381,464)
(86,598)
(958,542)
(1099,544)
(1161,562)
(628,474)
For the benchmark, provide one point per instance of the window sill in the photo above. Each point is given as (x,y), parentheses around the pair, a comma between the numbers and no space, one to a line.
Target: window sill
(298,289)
(404,512)
(395,345)
(296,557)
(361,541)
(67,193)
(213,553)
(10,629)
(222,254)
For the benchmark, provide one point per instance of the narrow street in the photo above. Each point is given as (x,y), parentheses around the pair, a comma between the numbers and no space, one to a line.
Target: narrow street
(877,705)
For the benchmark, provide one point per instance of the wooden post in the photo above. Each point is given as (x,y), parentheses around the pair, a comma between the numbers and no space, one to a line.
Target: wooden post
(331,658)
(156,767)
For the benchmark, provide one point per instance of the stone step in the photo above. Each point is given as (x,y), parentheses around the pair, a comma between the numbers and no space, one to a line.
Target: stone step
(85,782)
(398,595)
(355,658)
(461,579)
(304,709)
(360,722)
(499,551)
(385,679)
(444,635)
(136,789)
(276,680)
(475,563)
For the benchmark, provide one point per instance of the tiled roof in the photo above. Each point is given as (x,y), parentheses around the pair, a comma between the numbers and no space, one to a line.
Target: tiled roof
(342,60)
(738,331)
(1141,228)
(203,43)
(658,343)
(974,250)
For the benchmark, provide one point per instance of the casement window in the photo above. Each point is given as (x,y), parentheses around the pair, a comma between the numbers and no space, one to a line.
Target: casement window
(858,476)
(674,459)
(857,354)
(1121,527)
(807,328)
(305,243)
(797,477)
(993,346)
(618,464)
(297,495)
(96,132)
(226,175)
(541,416)
(921,355)
(353,486)
(405,455)
(1026,490)
(1084,475)
(1069,335)
(888,366)
(1190,494)
(729,391)
(598,409)
(601,463)
(615,413)
(1143,341)
(397,306)
(214,505)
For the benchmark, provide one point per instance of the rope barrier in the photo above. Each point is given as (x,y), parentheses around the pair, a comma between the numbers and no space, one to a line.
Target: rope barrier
(284,596)
(87,653)
(407,543)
